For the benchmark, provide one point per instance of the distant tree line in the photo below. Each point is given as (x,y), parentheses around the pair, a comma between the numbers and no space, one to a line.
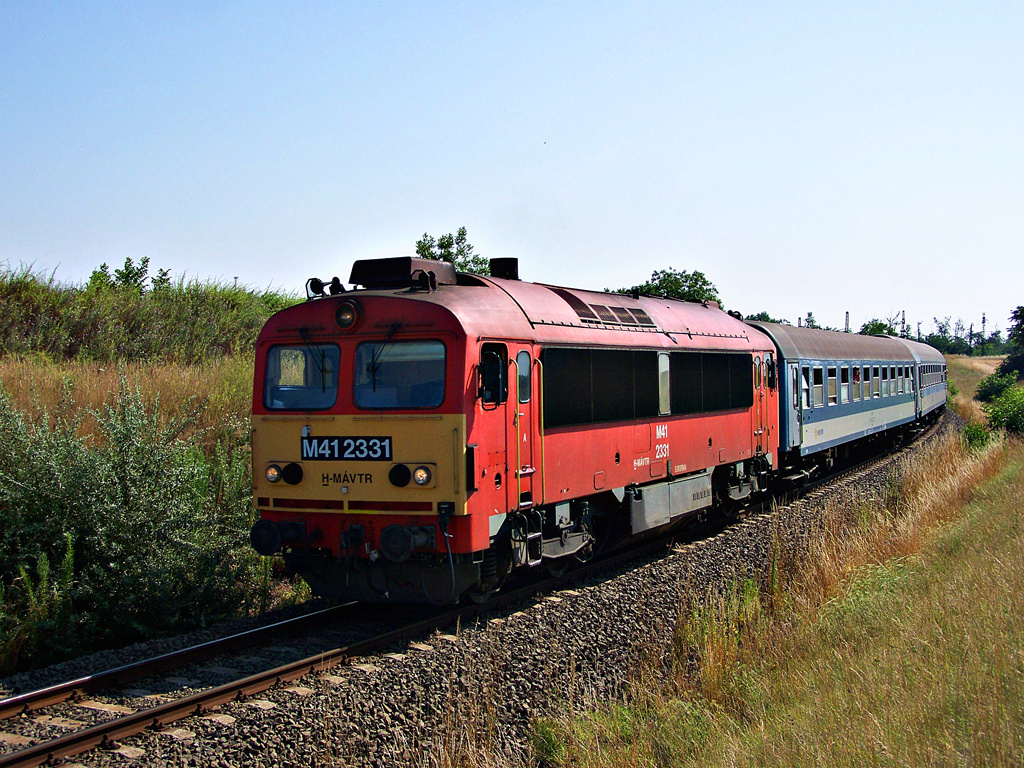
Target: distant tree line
(949,337)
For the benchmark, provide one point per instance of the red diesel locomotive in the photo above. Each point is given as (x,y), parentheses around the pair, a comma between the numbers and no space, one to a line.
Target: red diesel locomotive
(419,437)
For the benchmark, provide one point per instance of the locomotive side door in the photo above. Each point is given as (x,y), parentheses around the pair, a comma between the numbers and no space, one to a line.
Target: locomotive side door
(521,405)
(495,393)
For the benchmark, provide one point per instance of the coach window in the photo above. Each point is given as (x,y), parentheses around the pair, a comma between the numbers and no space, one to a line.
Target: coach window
(876,382)
(892,379)
(899,379)
(819,386)
(844,384)
(806,386)
(833,396)
(885,381)
(664,391)
(855,390)
(523,368)
(757,372)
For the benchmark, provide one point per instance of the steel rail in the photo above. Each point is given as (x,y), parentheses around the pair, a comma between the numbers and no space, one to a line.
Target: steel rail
(119,676)
(156,718)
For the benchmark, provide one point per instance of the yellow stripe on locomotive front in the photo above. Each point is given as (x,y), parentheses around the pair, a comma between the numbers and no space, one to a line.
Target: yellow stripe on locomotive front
(352,463)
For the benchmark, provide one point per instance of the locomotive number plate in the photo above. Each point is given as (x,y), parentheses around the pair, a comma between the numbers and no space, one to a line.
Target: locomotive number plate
(342,448)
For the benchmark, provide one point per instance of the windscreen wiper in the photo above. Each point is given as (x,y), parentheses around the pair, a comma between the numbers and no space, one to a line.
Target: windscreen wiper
(319,357)
(375,361)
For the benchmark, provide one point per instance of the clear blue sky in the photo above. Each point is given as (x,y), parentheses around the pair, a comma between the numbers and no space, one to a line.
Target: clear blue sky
(824,156)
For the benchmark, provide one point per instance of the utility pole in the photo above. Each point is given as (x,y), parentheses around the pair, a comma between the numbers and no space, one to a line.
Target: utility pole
(918,330)
(847,321)
(903,325)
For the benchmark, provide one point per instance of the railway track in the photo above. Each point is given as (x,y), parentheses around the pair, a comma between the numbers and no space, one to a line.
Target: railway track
(123,722)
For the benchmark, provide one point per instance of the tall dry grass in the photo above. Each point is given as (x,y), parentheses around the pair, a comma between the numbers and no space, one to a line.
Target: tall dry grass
(974,369)
(76,388)
(867,650)
(965,374)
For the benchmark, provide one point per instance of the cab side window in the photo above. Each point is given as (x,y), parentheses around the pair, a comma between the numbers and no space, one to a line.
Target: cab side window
(523,364)
(493,373)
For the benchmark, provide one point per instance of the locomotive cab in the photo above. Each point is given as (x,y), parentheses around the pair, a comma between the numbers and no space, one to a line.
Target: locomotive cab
(359,446)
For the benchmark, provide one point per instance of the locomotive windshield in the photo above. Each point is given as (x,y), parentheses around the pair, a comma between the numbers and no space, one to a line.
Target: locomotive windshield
(301,377)
(403,374)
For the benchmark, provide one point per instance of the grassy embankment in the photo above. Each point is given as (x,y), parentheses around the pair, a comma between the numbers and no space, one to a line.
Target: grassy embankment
(895,641)
(125,477)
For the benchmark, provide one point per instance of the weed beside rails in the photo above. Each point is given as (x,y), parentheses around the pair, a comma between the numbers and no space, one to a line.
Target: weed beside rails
(773,670)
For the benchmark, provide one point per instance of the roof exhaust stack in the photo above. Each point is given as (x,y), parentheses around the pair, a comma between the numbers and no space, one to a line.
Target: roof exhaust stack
(505,268)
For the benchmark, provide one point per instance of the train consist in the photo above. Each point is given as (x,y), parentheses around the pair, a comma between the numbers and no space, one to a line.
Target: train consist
(422,436)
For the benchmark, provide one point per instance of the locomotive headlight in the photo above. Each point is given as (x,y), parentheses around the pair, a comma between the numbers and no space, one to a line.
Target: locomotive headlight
(273,473)
(346,315)
(421,476)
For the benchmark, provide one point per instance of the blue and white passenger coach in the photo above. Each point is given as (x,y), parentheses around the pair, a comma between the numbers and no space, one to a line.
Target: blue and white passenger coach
(839,387)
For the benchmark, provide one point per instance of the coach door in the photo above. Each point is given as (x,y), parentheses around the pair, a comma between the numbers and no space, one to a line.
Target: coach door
(793,411)
(521,404)
(758,404)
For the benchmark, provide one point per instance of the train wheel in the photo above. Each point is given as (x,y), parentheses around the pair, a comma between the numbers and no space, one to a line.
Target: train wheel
(558,567)
(730,510)
(480,596)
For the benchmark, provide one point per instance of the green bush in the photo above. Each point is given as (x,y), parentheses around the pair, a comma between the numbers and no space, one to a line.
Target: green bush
(149,531)
(994,385)
(976,435)
(1007,411)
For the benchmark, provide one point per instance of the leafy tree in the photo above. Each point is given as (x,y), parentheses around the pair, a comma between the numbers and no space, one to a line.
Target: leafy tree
(810,322)
(129,277)
(874,327)
(764,317)
(1016,333)
(1014,362)
(676,284)
(995,344)
(454,249)
(949,338)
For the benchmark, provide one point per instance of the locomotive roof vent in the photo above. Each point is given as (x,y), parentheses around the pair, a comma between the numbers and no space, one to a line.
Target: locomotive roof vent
(402,272)
(507,268)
